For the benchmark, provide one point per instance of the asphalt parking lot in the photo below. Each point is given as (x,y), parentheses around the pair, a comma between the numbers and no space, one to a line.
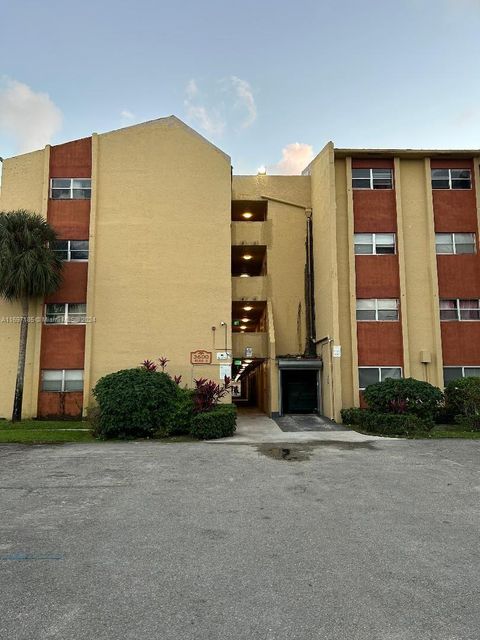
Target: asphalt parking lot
(137,541)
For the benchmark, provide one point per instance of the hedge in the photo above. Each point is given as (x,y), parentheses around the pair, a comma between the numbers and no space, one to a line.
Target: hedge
(462,402)
(133,403)
(220,422)
(406,395)
(386,424)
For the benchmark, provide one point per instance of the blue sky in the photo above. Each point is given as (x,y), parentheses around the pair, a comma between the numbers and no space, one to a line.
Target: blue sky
(270,82)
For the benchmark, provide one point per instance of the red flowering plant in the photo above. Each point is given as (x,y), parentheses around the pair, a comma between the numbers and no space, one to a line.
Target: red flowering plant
(208,393)
(149,365)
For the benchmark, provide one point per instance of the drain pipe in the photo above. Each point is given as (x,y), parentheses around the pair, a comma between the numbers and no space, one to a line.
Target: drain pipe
(311,341)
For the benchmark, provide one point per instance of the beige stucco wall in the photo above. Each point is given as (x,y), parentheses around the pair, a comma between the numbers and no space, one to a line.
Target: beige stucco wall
(160,278)
(416,246)
(325,238)
(23,187)
(346,283)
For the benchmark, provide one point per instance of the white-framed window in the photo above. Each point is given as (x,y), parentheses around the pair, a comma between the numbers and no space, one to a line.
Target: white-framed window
(451,179)
(372,178)
(374,243)
(371,375)
(377,309)
(456,243)
(70,188)
(454,373)
(460,309)
(61,380)
(66,313)
(71,250)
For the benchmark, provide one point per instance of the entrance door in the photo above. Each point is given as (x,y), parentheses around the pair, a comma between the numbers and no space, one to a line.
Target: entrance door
(300,391)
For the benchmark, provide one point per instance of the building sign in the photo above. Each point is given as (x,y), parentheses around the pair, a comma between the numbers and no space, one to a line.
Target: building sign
(225,370)
(201,357)
(248,352)
(337,351)
(223,355)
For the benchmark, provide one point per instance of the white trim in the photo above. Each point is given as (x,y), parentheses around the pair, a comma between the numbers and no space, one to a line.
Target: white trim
(63,380)
(453,235)
(371,187)
(450,188)
(66,314)
(379,368)
(69,250)
(458,310)
(373,242)
(70,188)
(377,309)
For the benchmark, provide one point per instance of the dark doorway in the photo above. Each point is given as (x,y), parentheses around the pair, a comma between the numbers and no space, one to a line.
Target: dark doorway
(300,391)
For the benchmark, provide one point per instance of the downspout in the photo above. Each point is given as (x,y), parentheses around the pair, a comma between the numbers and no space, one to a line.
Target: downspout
(311,340)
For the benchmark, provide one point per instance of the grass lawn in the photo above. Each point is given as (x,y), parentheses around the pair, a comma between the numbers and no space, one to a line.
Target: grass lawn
(451,431)
(439,431)
(60,431)
(45,431)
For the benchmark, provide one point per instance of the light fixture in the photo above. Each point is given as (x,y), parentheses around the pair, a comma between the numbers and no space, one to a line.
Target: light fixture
(244,275)
(247,308)
(247,215)
(248,361)
(243,327)
(247,256)
(245,320)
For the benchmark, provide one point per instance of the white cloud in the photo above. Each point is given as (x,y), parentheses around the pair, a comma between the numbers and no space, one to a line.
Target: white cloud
(246,99)
(207,119)
(191,89)
(218,110)
(127,117)
(295,157)
(31,118)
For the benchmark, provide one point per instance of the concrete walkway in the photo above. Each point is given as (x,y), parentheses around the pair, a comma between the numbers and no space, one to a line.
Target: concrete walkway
(254,427)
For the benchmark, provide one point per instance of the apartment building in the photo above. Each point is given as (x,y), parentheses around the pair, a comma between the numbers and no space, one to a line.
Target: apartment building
(304,288)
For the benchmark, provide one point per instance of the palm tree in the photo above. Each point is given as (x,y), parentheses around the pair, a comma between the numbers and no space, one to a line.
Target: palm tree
(28,269)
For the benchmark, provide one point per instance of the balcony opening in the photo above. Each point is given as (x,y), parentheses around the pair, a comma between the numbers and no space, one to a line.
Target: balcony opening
(249,383)
(249,210)
(249,261)
(249,317)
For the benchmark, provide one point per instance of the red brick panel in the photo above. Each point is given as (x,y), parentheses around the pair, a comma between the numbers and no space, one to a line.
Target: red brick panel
(72,159)
(454,209)
(461,343)
(459,276)
(372,163)
(74,284)
(70,218)
(379,344)
(53,405)
(63,347)
(377,276)
(374,211)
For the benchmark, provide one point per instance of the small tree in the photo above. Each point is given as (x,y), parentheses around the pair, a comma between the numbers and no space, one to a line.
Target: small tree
(29,269)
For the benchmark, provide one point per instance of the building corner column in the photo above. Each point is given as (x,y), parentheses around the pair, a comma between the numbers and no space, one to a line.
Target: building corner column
(90,299)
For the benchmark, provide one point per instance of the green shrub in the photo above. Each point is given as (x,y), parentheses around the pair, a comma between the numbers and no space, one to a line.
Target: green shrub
(354,416)
(220,422)
(386,424)
(179,420)
(133,402)
(404,396)
(462,400)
